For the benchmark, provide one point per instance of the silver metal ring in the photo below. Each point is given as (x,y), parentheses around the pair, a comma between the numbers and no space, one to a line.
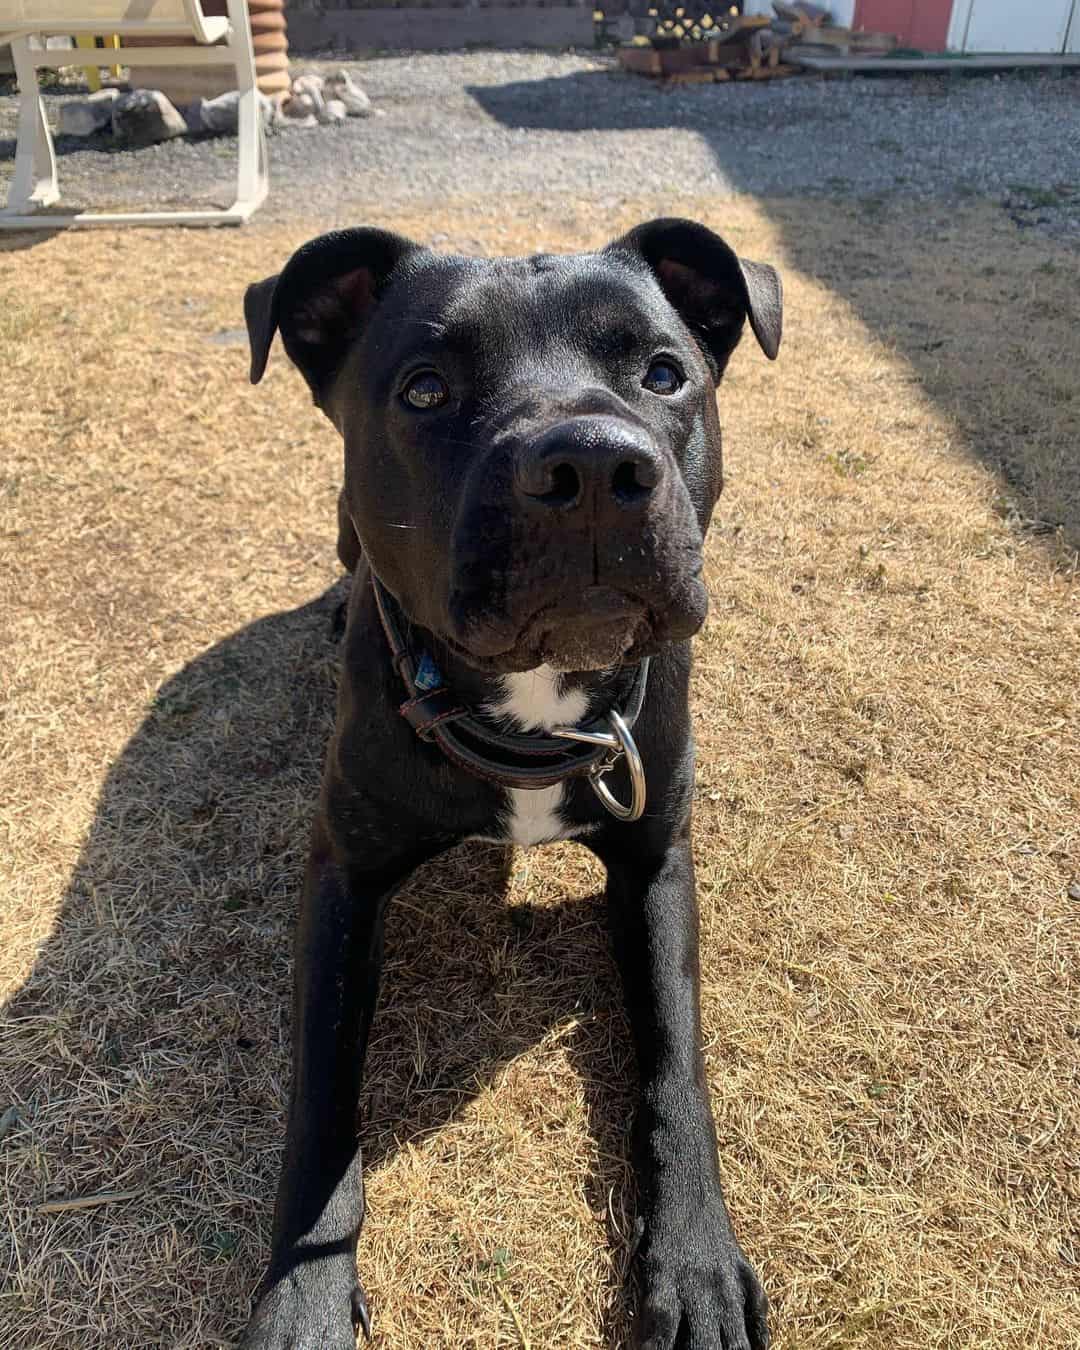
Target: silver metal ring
(621,741)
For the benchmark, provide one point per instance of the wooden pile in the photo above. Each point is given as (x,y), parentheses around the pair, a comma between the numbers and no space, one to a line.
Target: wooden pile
(827,39)
(751,47)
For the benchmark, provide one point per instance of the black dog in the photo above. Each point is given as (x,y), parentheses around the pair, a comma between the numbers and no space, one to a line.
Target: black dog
(532,456)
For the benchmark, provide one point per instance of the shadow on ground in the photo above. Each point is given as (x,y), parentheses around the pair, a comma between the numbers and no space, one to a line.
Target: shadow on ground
(169,967)
(979,298)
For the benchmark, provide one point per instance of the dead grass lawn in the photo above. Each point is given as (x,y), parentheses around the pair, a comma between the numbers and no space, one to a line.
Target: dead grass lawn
(887,822)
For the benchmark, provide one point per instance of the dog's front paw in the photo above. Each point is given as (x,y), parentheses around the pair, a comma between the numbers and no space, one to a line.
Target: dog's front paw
(308,1314)
(698,1292)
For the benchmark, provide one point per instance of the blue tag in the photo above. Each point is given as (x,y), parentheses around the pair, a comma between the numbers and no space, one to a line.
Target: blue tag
(428,676)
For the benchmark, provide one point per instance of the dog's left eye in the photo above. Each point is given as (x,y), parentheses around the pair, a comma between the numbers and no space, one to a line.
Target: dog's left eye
(426,391)
(662,378)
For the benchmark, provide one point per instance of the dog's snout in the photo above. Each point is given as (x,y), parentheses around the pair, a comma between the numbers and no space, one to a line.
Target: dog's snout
(594,464)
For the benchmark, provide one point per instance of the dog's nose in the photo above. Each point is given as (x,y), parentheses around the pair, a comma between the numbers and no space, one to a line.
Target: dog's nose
(597,464)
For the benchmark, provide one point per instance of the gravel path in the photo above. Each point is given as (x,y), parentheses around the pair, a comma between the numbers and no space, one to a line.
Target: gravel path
(548,124)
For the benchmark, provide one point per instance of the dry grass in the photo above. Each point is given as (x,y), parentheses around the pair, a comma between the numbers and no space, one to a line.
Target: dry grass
(886,829)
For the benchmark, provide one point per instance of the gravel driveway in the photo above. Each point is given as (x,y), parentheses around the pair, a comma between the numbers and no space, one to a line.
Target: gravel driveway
(546,124)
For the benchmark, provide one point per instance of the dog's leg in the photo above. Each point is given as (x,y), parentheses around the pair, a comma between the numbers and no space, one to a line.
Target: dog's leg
(697,1291)
(310,1297)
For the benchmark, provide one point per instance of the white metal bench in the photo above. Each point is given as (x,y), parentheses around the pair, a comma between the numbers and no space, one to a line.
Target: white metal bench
(219,41)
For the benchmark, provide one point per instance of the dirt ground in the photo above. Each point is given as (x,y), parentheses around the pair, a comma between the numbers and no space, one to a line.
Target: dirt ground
(886,826)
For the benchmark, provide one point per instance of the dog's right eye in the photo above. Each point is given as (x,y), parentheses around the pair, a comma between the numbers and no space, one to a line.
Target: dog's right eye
(663,377)
(426,391)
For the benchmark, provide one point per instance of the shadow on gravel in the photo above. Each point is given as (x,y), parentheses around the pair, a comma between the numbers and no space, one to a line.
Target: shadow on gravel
(63,145)
(166,982)
(101,143)
(15,241)
(981,299)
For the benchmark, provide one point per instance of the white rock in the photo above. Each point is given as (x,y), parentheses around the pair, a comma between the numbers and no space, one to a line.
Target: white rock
(309,83)
(87,115)
(309,88)
(222,114)
(333,110)
(298,110)
(298,106)
(342,88)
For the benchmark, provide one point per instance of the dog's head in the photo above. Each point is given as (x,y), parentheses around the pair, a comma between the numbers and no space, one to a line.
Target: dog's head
(532,447)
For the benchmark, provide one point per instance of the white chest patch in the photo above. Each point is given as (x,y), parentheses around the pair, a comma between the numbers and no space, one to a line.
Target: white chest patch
(532,701)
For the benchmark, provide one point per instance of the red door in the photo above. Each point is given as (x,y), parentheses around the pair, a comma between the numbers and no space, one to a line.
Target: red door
(917,23)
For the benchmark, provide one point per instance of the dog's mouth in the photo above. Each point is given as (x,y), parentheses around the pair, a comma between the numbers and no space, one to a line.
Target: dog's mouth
(594,632)
(597,629)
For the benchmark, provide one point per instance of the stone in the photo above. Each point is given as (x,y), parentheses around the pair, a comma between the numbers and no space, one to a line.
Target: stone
(84,116)
(309,83)
(298,110)
(309,88)
(144,117)
(298,106)
(314,100)
(221,115)
(342,88)
(333,110)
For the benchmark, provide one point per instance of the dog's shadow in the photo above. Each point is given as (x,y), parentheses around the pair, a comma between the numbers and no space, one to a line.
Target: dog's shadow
(153,1030)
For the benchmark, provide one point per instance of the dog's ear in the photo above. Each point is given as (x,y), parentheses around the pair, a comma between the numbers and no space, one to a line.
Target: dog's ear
(712,288)
(321,301)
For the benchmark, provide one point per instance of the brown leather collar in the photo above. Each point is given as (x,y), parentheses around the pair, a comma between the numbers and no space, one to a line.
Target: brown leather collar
(474,743)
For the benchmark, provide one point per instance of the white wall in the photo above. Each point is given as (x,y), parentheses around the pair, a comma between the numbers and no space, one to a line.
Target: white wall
(958,25)
(1001,26)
